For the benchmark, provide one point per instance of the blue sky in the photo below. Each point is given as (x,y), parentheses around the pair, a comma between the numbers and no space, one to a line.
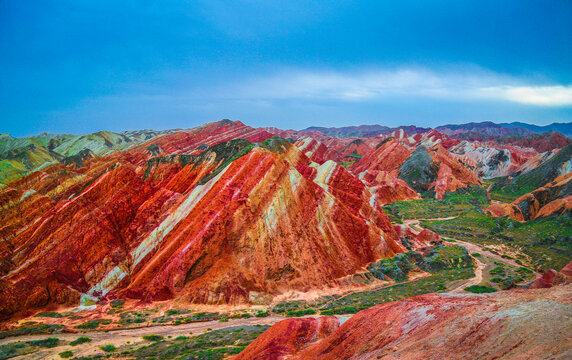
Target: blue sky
(84,66)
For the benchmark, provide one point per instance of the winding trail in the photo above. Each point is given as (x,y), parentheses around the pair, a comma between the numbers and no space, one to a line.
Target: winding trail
(473,281)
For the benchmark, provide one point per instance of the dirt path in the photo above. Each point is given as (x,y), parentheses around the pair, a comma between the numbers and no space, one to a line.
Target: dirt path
(473,281)
(132,336)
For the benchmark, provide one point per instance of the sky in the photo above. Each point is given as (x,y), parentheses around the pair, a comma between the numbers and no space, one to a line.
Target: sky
(85,66)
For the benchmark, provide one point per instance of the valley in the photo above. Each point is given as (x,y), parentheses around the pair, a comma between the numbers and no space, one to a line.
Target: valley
(202,243)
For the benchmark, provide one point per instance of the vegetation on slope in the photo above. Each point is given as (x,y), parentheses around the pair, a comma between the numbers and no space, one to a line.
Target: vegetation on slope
(546,241)
(445,263)
(453,204)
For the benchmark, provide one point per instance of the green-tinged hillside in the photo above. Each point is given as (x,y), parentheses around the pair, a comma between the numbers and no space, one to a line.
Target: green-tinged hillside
(453,204)
(508,189)
(19,156)
(548,241)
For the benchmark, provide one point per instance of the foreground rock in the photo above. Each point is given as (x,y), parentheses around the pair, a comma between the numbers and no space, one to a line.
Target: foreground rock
(518,324)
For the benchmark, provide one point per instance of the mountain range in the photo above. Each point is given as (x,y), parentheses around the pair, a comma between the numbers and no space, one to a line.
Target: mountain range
(227,215)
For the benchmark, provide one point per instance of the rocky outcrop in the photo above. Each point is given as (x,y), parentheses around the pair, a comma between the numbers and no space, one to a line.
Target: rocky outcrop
(386,187)
(553,199)
(554,278)
(517,324)
(547,171)
(420,170)
(423,169)
(288,337)
(387,156)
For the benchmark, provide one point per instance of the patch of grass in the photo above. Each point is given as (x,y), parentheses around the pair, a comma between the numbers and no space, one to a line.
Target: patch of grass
(479,289)
(301,312)
(548,241)
(453,204)
(285,306)
(51,314)
(212,345)
(46,343)
(31,329)
(358,301)
(153,337)
(93,324)
(118,303)
(499,270)
(15,349)
(80,340)
(108,348)
(66,354)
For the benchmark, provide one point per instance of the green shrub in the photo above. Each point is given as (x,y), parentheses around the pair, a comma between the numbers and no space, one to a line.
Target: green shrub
(153,337)
(93,324)
(108,348)
(47,343)
(51,314)
(499,270)
(301,312)
(80,340)
(479,289)
(524,270)
(262,314)
(66,354)
(117,303)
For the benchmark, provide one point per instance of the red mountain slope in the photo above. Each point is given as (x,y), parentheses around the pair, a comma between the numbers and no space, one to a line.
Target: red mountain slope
(223,225)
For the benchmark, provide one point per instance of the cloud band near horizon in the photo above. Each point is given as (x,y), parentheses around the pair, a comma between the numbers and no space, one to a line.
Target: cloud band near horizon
(413,83)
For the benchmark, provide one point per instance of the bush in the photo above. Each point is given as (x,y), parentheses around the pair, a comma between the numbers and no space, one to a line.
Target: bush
(117,303)
(66,354)
(47,343)
(524,270)
(301,312)
(51,314)
(108,348)
(153,337)
(93,324)
(479,289)
(499,270)
(80,340)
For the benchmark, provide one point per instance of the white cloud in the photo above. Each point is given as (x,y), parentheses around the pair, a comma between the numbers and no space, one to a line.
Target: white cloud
(371,85)
(557,95)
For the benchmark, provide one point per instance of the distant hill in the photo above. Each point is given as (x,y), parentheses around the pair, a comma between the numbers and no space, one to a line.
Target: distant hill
(564,128)
(484,128)
(349,131)
(364,130)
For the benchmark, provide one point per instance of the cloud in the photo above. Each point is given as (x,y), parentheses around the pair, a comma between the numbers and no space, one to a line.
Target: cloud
(534,95)
(403,83)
